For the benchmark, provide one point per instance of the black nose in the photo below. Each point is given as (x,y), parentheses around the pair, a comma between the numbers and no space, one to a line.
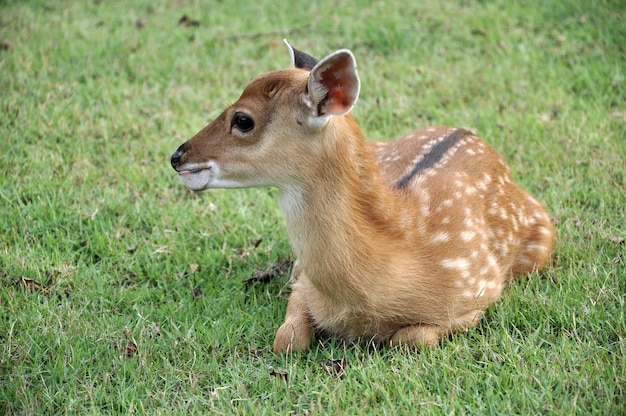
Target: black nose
(175,161)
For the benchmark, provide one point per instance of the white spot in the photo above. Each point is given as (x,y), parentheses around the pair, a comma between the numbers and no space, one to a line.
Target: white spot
(502,248)
(515,224)
(483,185)
(536,247)
(468,235)
(526,261)
(440,237)
(544,231)
(458,263)
(470,190)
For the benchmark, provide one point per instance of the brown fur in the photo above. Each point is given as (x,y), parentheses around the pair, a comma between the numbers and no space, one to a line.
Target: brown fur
(374,261)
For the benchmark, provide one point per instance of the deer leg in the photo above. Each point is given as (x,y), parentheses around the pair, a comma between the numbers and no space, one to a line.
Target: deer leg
(417,335)
(295,333)
(423,335)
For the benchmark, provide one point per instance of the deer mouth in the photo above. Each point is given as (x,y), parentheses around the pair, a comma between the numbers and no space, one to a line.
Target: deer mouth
(196,178)
(187,172)
(193,168)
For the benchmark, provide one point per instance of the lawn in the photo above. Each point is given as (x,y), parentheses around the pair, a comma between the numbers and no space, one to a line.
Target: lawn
(122,292)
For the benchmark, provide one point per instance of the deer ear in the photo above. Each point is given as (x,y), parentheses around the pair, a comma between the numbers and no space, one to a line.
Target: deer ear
(300,59)
(334,85)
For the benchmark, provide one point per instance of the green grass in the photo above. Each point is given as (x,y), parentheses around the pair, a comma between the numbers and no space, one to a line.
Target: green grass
(95,97)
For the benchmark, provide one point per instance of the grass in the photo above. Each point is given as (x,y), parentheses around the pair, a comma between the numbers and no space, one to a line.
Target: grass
(122,292)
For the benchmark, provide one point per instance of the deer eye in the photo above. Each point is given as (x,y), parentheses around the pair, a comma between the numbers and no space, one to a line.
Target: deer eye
(242,122)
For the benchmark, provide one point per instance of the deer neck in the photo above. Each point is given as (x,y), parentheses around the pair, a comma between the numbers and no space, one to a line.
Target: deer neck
(339,219)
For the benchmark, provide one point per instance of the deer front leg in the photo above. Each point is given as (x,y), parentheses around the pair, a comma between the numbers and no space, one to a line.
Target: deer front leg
(295,333)
(422,335)
(417,336)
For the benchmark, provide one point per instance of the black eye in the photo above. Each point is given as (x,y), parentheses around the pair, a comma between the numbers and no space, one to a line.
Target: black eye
(242,122)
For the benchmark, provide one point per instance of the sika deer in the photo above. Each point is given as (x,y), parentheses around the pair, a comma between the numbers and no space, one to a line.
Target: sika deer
(402,242)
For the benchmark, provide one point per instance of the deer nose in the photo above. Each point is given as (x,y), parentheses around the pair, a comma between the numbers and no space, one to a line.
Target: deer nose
(175,161)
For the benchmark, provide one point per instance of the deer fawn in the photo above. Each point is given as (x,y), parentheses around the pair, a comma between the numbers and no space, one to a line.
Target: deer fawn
(402,242)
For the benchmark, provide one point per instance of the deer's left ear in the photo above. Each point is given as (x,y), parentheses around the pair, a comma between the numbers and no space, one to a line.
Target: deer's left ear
(300,59)
(334,85)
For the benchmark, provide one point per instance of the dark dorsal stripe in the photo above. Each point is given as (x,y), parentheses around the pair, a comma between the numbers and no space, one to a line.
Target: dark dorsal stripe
(435,154)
